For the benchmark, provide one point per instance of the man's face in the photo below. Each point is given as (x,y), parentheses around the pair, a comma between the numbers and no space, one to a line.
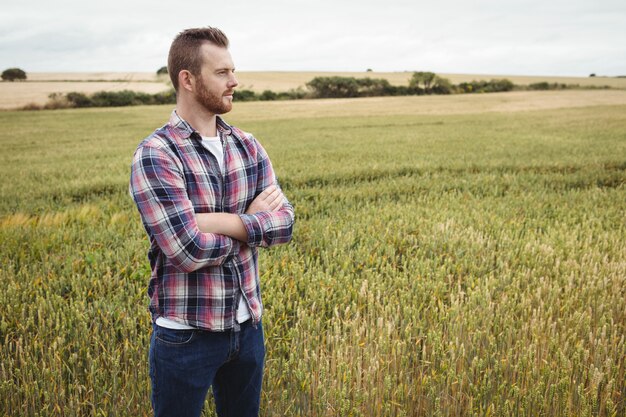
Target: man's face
(216,82)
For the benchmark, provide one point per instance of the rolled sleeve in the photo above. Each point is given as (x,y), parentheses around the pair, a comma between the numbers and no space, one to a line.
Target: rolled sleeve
(267,228)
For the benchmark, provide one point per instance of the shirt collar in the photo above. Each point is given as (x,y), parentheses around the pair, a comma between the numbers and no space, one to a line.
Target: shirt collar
(184,129)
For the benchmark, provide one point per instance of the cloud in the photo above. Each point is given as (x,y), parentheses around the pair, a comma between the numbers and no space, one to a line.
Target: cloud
(485,36)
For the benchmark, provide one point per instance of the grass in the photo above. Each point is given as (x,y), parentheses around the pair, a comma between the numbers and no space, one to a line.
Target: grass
(442,264)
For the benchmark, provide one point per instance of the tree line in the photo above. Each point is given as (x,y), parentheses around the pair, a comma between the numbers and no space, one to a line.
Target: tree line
(420,83)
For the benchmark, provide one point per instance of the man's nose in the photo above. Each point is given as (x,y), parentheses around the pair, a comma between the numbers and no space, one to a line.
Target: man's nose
(233,81)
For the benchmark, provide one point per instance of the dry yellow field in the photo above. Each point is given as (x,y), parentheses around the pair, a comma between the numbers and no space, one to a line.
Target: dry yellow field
(39,86)
(18,94)
(283,81)
(94,76)
(612,82)
(514,101)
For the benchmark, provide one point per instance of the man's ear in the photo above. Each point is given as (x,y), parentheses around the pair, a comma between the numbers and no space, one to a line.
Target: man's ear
(186,80)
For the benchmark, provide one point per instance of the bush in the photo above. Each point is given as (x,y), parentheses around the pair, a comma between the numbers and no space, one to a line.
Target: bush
(334,87)
(162,71)
(371,87)
(344,87)
(244,95)
(268,95)
(293,94)
(442,86)
(12,74)
(31,106)
(108,99)
(126,98)
(79,100)
(501,85)
(492,86)
(403,90)
(544,85)
(57,101)
(114,99)
(168,97)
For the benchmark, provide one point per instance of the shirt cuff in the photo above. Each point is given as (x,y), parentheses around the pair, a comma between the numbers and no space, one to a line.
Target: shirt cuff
(253,228)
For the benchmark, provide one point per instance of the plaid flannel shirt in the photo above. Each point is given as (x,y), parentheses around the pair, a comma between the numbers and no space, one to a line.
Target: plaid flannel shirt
(197,277)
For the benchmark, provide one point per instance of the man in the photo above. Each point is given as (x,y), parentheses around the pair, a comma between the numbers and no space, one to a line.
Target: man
(208,197)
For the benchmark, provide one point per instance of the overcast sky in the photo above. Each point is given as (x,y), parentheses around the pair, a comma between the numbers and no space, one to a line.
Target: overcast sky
(508,37)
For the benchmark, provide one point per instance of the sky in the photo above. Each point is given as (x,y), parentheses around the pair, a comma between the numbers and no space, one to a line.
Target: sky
(507,37)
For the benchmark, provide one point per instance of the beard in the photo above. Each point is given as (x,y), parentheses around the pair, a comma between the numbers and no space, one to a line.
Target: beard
(210,101)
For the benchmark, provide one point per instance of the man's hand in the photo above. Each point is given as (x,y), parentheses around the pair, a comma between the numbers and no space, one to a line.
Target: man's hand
(271,199)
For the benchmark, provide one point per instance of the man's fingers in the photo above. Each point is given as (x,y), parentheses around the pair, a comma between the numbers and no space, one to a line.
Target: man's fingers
(273,198)
(277,200)
(268,191)
(270,199)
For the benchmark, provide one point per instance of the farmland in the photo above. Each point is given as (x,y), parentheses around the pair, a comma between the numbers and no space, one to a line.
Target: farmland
(457,255)
(40,85)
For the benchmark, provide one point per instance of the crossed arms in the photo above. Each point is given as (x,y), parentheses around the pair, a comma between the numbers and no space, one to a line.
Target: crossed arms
(231,225)
(191,240)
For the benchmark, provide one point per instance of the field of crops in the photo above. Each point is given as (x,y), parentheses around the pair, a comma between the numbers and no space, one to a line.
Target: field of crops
(444,263)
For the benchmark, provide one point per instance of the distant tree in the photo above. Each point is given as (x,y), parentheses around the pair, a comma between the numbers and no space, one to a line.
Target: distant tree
(12,74)
(162,71)
(430,83)
(368,70)
(371,87)
(442,85)
(334,87)
(592,74)
(422,79)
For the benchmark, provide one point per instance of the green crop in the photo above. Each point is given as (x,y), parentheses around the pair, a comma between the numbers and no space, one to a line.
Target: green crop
(441,264)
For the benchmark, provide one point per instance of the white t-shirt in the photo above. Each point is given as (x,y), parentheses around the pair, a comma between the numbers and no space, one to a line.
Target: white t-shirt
(214,145)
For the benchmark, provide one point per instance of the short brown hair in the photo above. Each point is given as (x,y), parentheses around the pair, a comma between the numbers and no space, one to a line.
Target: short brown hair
(184,51)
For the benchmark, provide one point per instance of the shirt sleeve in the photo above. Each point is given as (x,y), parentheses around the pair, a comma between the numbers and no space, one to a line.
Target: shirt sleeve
(268,228)
(157,186)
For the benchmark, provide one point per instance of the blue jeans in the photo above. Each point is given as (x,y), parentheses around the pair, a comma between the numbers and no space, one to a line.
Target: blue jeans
(184,364)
